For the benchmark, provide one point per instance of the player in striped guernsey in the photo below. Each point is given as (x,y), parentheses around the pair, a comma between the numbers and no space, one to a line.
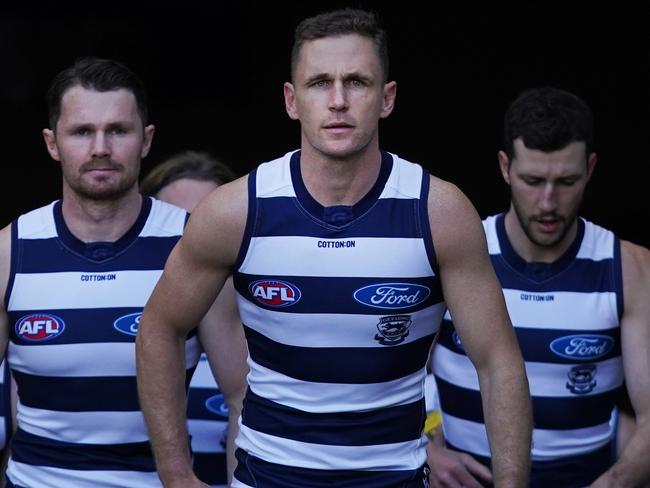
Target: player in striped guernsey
(75,275)
(183,180)
(338,336)
(578,299)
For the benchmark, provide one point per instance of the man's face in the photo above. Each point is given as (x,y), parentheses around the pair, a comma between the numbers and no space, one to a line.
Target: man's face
(99,141)
(547,189)
(339,95)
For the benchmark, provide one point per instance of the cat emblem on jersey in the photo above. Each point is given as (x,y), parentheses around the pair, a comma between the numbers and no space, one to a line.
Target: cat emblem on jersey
(393,329)
(582,379)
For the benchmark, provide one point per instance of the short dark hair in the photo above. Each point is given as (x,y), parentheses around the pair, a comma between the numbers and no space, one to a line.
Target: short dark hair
(548,119)
(337,23)
(95,74)
(193,165)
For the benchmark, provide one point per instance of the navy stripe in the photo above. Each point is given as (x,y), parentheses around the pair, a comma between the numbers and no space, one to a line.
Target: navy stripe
(50,256)
(328,294)
(80,394)
(348,365)
(85,326)
(211,467)
(283,216)
(538,344)
(549,412)
(205,403)
(32,449)
(401,423)
(5,405)
(583,275)
(256,472)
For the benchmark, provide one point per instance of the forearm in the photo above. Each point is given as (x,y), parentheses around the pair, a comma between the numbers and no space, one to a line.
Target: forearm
(161,390)
(632,468)
(508,419)
(233,430)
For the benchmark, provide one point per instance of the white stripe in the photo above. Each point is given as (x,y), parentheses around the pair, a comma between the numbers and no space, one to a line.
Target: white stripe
(404,181)
(203,377)
(37,224)
(274,178)
(66,290)
(301,256)
(334,397)
(545,379)
(85,359)
(238,484)
(489,226)
(597,244)
(547,444)
(591,311)
(83,427)
(454,368)
(206,435)
(165,220)
(382,457)
(332,330)
(550,380)
(46,477)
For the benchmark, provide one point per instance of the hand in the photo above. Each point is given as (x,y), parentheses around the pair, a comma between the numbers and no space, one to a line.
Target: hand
(451,469)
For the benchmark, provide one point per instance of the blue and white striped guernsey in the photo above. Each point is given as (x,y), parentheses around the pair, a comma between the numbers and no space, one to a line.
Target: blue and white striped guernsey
(340,306)
(74,310)
(566,316)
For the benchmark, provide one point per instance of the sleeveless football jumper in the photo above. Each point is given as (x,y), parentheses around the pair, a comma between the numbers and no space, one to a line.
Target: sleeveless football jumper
(566,317)
(340,306)
(73,313)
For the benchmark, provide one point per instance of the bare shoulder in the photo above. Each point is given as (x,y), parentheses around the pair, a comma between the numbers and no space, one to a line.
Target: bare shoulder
(636,267)
(5,258)
(455,223)
(217,223)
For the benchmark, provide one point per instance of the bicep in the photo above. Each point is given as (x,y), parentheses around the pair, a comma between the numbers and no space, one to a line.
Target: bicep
(635,326)
(470,286)
(222,336)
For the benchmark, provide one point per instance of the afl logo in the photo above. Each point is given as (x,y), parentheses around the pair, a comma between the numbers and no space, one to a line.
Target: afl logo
(392,295)
(128,324)
(585,347)
(275,293)
(216,405)
(39,327)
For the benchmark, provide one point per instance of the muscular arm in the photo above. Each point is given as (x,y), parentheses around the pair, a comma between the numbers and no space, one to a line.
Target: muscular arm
(5,266)
(476,302)
(227,359)
(632,468)
(193,276)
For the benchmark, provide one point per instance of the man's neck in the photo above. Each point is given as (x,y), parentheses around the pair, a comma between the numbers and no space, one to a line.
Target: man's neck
(101,220)
(339,181)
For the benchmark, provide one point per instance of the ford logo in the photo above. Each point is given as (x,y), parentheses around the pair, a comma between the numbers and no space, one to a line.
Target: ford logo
(128,324)
(392,295)
(217,405)
(584,347)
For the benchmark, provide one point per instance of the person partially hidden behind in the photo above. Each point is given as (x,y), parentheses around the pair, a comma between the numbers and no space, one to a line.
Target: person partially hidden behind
(578,299)
(183,180)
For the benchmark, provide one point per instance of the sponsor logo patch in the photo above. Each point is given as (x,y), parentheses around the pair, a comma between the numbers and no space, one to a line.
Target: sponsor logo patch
(392,295)
(393,329)
(39,327)
(217,406)
(275,293)
(582,347)
(128,324)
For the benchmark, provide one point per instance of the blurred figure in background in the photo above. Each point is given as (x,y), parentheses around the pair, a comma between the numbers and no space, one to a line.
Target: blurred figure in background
(184,179)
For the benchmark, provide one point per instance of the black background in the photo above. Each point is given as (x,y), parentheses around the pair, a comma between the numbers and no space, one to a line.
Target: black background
(215,71)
